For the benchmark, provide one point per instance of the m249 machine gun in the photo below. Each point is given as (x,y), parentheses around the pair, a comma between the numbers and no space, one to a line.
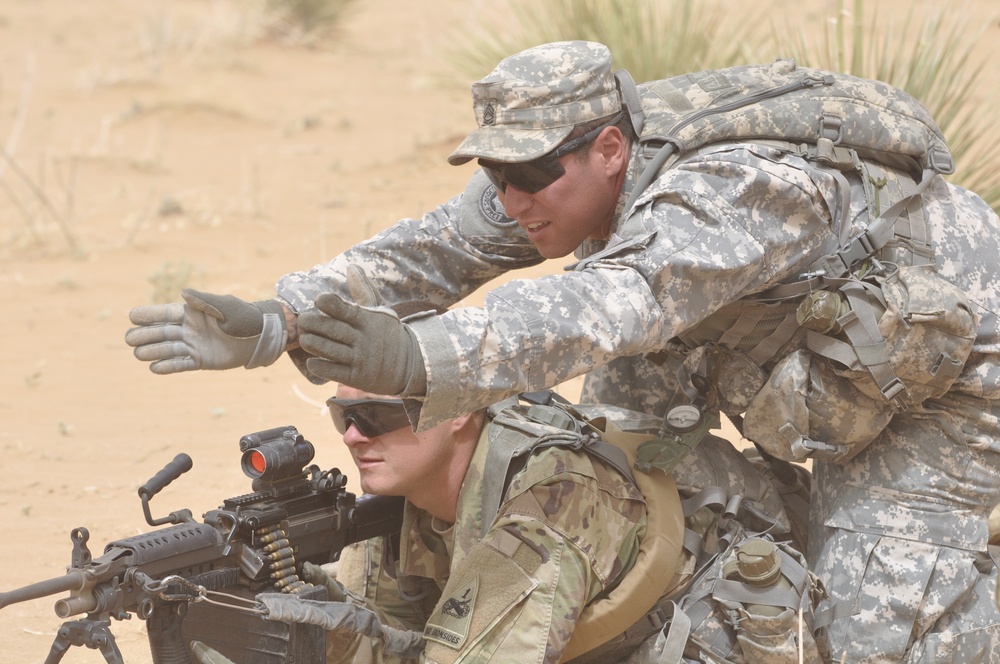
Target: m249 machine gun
(197,580)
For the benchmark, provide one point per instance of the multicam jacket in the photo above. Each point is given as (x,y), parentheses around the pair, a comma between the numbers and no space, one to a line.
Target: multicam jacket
(568,531)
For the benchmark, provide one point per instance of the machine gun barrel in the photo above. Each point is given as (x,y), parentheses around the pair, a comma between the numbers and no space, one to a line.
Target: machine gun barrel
(74,580)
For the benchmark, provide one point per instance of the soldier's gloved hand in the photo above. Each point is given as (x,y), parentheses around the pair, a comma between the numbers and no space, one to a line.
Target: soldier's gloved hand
(341,343)
(207,332)
(207,655)
(343,623)
(367,348)
(318,576)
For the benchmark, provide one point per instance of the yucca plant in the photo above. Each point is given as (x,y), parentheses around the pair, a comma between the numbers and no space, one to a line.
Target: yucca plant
(304,21)
(934,59)
(652,39)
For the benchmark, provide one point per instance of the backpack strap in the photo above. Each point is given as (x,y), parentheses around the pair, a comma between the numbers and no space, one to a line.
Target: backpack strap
(551,408)
(630,97)
(519,435)
(877,234)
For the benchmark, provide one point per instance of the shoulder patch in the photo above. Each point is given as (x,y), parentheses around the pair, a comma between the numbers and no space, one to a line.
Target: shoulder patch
(454,616)
(492,210)
(486,590)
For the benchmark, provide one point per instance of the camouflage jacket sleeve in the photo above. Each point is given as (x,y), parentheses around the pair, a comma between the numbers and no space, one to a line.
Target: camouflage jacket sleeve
(568,531)
(441,257)
(716,228)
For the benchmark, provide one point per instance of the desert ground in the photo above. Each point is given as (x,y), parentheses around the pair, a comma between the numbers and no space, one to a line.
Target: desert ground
(160,144)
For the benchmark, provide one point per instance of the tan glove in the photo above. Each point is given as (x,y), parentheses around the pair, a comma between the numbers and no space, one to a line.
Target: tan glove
(317,576)
(366,347)
(208,331)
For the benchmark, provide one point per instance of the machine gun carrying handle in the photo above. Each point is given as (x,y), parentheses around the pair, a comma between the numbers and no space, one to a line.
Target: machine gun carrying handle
(180,465)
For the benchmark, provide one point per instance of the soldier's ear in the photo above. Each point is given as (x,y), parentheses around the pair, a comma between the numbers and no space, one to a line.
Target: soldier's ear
(612,146)
(473,422)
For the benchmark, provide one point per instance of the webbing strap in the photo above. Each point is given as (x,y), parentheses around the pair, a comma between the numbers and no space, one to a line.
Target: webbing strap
(866,349)
(711,496)
(841,220)
(796,289)
(743,326)
(672,639)
(772,343)
(789,598)
(517,439)
(630,96)
(502,449)
(913,236)
(736,591)
(692,543)
(876,235)
(836,611)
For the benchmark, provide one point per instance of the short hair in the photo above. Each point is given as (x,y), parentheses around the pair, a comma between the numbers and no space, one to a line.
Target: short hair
(624,125)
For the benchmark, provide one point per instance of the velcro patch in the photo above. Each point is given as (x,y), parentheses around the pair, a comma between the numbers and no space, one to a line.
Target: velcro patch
(454,616)
(486,587)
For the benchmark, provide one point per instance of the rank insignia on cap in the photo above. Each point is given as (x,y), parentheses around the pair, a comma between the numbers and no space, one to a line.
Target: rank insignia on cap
(490,113)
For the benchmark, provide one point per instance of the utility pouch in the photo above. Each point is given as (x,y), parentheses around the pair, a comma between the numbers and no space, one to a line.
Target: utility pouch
(874,347)
(807,411)
(901,338)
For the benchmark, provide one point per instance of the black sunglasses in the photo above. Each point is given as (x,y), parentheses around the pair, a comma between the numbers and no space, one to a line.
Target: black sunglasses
(372,417)
(533,176)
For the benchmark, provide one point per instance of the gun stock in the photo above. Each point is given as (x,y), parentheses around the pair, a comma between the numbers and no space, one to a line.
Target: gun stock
(252,543)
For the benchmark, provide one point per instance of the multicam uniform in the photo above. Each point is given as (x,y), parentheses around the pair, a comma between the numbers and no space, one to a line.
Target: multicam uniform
(567,532)
(425,588)
(906,520)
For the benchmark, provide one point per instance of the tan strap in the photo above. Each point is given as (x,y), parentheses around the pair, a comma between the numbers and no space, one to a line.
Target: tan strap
(654,574)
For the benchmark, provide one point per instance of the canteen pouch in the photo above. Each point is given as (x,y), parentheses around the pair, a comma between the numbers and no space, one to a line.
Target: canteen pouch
(875,346)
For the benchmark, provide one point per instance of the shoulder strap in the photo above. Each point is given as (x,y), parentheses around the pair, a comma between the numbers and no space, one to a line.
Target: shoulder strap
(829,271)
(630,97)
(875,236)
(518,435)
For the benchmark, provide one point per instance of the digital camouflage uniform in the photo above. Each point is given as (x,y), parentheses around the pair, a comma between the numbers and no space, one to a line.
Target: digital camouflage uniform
(567,532)
(904,522)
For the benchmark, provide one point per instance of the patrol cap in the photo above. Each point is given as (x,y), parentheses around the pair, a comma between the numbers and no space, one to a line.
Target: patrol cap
(531,101)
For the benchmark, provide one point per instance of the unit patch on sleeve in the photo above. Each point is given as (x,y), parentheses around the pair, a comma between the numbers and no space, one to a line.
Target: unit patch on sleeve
(492,210)
(450,624)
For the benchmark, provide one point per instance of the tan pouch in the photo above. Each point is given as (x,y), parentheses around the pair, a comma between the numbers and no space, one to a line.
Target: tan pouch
(904,338)
(805,410)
